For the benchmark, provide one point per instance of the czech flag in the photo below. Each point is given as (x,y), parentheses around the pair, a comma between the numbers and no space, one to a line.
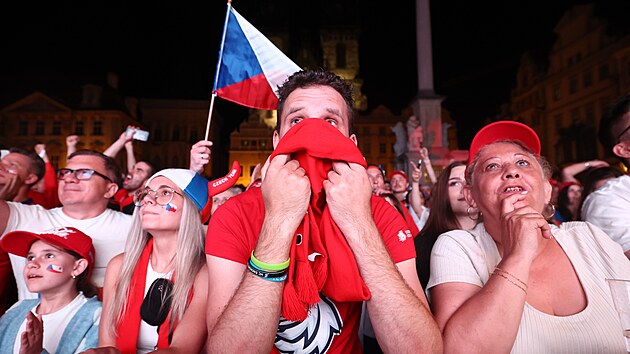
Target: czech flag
(250,66)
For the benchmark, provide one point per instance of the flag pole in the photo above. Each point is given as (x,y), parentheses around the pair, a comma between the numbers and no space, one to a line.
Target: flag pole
(216,75)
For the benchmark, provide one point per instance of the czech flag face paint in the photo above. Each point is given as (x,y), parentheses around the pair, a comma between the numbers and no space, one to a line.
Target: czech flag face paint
(170,207)
(54,268)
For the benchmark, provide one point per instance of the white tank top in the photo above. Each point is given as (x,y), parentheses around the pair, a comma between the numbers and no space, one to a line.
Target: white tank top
(148,335)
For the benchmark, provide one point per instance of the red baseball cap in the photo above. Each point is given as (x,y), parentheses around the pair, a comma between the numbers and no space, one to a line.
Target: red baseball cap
(398,172)
(67,238)
(504,130)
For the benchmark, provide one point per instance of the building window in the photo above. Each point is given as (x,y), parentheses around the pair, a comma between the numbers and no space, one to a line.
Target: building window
(588,78)
(366,131)
(570,62)
(79,128)
(254,142)
(39,127)
(54,160)
(23,127)
(245,142)
(578,57)
(556,92)
(603,72)
(382,148)
(97,128)
(341,56)
(381,131)
(56,127)
(573,85)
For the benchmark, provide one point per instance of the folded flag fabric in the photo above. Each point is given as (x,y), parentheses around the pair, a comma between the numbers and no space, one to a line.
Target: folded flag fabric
(250,66)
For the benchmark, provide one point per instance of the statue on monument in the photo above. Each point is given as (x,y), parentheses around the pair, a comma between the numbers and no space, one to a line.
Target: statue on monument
(414,133)
(400,147)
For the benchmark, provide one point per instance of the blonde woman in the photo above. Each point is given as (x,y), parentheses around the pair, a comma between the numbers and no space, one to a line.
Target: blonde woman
(155,293)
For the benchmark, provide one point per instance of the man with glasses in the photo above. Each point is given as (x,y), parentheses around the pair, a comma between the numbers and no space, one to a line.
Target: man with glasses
(86,185)
(609,206)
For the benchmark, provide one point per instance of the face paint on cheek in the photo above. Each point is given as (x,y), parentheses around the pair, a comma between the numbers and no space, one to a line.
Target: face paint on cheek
(54,268)
(170,207)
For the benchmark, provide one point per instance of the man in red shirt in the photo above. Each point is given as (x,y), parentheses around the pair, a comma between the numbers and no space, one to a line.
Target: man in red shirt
(291,262)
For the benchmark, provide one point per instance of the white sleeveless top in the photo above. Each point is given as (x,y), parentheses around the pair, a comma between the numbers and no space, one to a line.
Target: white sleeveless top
(148,335)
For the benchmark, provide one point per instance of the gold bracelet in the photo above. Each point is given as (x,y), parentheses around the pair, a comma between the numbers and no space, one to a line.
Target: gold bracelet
(511,275)
(508,279)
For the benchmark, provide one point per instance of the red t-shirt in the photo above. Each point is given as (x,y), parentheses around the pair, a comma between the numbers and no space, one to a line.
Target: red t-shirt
(331,327)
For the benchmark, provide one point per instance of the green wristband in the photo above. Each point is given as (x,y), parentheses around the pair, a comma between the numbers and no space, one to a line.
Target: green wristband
(268,266)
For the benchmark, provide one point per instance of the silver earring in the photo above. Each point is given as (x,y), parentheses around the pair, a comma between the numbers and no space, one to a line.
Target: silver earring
(470,214)
(74,276)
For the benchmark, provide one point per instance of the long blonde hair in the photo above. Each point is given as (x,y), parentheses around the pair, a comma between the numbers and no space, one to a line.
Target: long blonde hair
(188,260)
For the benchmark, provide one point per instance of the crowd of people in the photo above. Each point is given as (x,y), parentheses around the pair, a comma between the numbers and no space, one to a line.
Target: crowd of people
(323,252)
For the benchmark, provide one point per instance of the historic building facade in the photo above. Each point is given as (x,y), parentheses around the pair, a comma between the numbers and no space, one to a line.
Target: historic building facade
(98,119)
(588,67)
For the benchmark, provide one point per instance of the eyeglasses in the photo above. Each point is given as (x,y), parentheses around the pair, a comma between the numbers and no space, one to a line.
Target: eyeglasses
(82,174)
(622,133)
(161,196)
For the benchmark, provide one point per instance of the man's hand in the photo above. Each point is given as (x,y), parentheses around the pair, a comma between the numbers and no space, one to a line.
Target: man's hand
(348,194)
(72,140)
(33,337)
(286,190)
(416,172)
(71,144)
(128,138)
(200,155)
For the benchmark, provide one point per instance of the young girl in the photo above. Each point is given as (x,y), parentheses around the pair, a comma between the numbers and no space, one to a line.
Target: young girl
(155,292)
(66,316)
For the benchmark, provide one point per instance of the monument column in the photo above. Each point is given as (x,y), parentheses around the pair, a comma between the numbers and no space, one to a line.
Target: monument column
(427,106)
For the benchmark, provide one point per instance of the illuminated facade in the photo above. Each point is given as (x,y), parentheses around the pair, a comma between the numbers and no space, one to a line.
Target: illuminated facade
(588,68)
(39,118)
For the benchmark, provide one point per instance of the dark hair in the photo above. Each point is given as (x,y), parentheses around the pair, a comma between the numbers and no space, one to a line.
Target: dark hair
(111,167)
(612,122)
(36,165)
(563,205)
(441,219)
(84,283)
(152,169)
(316,77)
(592,177)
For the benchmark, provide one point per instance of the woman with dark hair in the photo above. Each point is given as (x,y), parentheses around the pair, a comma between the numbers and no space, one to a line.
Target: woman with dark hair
(569,198)
(65,318)
(449,211)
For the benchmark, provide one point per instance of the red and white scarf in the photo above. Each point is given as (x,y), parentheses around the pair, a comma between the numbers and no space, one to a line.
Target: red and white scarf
(315,144)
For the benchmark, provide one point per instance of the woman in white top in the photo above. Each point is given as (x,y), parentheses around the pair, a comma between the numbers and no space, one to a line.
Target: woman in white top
(65,317)
(515,283)
(155,292)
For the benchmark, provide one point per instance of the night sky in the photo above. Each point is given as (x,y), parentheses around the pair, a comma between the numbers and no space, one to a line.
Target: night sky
(169,49)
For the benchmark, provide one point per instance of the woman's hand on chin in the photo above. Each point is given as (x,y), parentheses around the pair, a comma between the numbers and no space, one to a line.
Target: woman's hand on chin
(522,227)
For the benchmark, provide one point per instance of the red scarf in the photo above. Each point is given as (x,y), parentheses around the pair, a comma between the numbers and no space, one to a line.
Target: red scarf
(315,144)
(129,327)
